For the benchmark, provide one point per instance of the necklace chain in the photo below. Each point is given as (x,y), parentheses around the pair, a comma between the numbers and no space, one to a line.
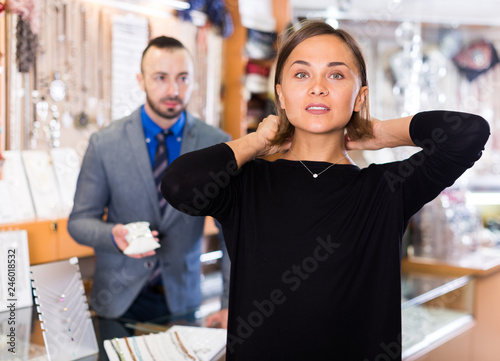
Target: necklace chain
(316,175)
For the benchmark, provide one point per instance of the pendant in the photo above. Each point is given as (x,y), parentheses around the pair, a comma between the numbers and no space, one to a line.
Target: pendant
(315,175)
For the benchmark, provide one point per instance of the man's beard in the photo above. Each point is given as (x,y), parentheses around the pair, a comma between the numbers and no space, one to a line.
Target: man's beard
(171,113)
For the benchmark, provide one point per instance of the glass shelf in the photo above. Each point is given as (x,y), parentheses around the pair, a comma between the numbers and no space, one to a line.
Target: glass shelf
(433,309)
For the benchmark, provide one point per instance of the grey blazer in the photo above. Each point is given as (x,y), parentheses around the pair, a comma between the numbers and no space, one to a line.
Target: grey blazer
(116,175)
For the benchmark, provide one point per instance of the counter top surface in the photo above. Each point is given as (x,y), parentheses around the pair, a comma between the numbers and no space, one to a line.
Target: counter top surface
(480,263)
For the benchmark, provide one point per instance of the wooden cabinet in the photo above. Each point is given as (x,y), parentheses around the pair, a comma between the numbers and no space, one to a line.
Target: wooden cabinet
(486,335)
(480,342)
(49,240)
(235,61)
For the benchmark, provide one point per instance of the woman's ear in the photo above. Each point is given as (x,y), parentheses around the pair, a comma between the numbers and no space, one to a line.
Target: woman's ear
(281,98)
(360,99)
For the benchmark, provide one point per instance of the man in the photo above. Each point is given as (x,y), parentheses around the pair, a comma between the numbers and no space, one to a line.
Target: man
(118,185)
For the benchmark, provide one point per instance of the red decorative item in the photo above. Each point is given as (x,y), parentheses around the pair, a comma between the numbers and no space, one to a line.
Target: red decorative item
(2,7)
(476,59)
(28,10)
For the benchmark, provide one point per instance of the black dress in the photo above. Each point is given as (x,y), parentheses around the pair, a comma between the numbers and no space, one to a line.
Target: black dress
(316,261)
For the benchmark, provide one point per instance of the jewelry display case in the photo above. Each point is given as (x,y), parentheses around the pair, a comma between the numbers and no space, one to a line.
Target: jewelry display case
(435,308)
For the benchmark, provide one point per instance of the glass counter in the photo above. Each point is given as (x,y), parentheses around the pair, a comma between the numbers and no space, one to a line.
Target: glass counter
(433,309)
(29,340)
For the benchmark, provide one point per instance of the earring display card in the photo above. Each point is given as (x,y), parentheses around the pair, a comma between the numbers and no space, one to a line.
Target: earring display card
(15,285)
(16,204)
(67,167)
(43,183)
(62,307)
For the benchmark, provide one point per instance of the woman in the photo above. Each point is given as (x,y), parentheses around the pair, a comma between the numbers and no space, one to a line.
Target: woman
(313,239)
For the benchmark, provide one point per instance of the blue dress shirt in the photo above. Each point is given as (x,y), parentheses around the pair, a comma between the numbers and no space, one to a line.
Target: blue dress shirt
(174,142)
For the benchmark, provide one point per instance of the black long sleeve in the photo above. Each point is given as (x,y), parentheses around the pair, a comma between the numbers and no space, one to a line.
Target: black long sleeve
(316,261)
(194,180)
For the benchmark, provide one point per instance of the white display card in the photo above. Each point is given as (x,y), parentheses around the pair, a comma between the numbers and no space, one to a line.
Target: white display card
(15,333)
(16,204)
(67,167)
(62,307)
(43,183)
(15,284)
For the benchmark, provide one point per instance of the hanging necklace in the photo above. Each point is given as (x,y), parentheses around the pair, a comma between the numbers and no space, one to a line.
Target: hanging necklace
(316,175)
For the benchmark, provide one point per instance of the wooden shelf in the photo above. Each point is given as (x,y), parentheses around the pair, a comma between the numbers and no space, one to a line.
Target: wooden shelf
(235,61)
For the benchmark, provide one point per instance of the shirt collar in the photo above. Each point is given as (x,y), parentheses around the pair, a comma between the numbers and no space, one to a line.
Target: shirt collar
(151,129)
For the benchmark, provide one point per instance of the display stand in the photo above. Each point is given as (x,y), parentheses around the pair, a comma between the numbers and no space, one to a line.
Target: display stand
(15,286)
(67,328)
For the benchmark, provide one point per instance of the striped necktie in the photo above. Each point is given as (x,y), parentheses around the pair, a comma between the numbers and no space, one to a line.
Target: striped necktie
(160,165)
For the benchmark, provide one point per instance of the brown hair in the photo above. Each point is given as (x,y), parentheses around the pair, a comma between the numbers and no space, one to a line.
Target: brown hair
(359,125)
(162,42)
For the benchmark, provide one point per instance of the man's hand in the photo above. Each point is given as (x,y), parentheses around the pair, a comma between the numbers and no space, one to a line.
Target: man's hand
(217,319)
(119,232)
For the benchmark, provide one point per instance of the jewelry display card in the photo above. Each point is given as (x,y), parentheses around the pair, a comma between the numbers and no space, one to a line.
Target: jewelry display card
(15,285)
(67,167)
(43,183)
(16,204)
(15,333)
(62,308)
(178,343)
(130,35)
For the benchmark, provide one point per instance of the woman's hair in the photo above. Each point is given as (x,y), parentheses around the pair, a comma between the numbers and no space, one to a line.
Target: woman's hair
(359,125)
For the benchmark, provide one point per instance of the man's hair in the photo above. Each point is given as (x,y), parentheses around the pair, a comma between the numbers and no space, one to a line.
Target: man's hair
(163,42)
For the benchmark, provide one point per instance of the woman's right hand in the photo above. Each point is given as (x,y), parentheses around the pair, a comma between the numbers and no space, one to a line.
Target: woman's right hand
(265,132)
(258,144)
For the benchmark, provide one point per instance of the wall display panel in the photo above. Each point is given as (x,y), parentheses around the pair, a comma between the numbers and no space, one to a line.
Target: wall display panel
(86,50)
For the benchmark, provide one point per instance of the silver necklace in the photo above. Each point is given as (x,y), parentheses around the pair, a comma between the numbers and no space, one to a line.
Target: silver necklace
(316,175)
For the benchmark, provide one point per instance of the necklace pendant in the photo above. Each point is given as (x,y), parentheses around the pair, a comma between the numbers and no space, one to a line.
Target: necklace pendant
(315,175)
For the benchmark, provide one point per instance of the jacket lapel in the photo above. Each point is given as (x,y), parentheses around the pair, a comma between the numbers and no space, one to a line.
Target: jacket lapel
(135,135)
(189,135)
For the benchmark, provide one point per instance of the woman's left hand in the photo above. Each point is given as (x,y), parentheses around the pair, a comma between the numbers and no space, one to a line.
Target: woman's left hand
(386,134)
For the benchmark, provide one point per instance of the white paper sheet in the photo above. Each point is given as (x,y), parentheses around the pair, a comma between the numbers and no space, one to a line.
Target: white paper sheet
(130,36)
